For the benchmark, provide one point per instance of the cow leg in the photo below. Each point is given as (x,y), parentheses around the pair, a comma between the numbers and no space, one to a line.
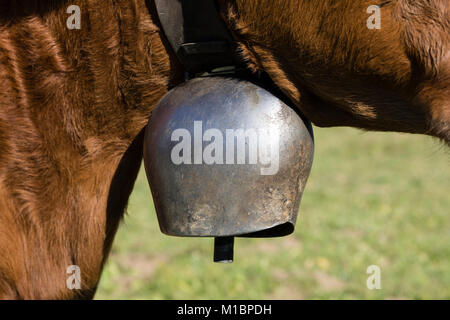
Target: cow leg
(438,102)
(71,104)
(39,242)
(427,44)
(436,94)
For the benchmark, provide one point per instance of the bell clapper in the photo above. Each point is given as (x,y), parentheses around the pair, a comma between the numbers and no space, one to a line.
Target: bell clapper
(223,249)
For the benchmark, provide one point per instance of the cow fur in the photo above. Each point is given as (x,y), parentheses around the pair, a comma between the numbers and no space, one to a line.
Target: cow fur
(73,104)
(340,73)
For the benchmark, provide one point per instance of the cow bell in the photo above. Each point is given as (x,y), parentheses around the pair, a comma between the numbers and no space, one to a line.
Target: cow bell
(225,158)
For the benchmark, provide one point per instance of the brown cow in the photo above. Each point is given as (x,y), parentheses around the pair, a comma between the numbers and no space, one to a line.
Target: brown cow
(73,104)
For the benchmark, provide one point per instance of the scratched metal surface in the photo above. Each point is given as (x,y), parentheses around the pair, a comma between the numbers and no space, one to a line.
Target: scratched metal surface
(226,199)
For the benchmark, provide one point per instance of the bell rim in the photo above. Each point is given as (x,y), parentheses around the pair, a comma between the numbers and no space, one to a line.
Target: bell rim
(283,228)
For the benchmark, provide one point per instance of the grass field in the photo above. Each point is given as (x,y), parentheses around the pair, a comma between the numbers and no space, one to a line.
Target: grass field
(372,199)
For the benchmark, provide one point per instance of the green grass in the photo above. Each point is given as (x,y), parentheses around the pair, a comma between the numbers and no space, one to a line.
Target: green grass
(372,199)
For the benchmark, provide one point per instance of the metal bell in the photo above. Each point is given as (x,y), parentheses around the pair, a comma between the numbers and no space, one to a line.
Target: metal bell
(224,158)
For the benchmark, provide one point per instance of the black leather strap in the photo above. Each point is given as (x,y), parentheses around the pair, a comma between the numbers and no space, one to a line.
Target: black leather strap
(197,34)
